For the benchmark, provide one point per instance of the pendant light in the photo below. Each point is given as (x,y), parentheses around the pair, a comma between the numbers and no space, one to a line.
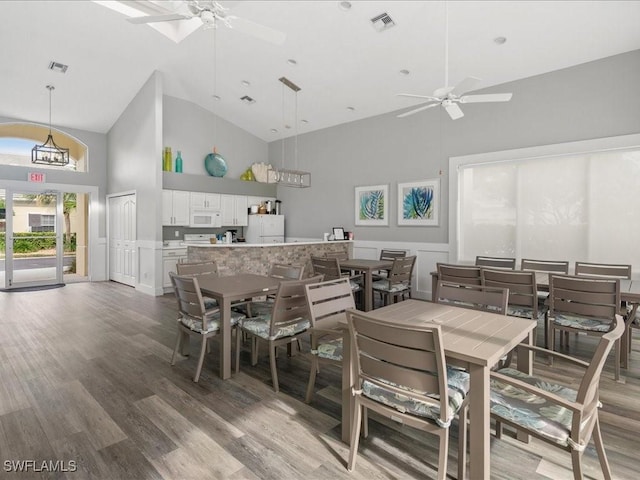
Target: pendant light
(49,153)
(214,163)
(291,177)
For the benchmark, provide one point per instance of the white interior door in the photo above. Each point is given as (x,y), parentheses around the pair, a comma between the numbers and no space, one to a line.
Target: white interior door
(122,239)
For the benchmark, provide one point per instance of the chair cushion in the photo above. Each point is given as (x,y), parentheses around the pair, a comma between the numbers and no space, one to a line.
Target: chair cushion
(331,350)
(261,324)
(383,285)
(530,410)
(257,308)
(458,383)
(210,302)
(583,323)
(525,312)
(213,322)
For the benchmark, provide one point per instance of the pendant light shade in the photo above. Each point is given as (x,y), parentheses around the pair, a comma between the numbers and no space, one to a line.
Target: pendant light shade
(49,153)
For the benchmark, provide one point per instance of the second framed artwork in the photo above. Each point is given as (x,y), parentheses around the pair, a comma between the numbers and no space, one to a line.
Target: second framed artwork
(372,205)
(419,203)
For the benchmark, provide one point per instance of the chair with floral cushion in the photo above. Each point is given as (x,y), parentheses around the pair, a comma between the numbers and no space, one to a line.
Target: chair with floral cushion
(327,302)
(401,374)
(585,305)
(195,319)
(560,415)
(193,269)
(329,267)
(398,282)
(284,324)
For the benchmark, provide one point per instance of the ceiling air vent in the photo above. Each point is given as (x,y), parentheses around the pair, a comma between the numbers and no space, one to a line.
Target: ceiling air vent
(382,22)
(58,67)
(247,99)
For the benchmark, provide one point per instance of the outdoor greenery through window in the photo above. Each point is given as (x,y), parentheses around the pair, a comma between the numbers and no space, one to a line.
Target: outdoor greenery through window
(575,207)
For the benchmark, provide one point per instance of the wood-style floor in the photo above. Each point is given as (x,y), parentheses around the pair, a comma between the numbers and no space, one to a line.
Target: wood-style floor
(85,377)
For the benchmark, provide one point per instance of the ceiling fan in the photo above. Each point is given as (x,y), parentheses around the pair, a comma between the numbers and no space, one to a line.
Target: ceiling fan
(209,12)
(450,97)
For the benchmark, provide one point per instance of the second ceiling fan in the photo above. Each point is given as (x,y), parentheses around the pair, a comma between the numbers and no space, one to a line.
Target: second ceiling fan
(450,97)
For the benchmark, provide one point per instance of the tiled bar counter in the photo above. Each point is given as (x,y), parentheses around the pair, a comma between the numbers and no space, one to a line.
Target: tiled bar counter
(256,258)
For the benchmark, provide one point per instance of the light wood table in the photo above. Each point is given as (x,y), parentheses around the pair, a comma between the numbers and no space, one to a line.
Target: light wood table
(226,290)
(367,267)
(474,339)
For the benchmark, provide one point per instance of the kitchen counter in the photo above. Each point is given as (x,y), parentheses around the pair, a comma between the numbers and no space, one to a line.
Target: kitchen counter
(233,258)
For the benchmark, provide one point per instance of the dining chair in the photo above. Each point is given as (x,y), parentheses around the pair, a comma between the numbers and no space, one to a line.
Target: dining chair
(583,305)
(401,374)
(459,274)
(286,271)
(398,282)
(560,415)
(194,318)
(327,302)
(199,268)
(606,270)
(496,262)
(547,266)
(388,255)
(283,325)
(329,267)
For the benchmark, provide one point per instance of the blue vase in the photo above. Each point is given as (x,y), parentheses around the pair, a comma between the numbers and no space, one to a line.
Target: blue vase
(215,165)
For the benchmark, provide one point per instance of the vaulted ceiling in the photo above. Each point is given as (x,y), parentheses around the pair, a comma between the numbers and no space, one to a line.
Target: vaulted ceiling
(346,69)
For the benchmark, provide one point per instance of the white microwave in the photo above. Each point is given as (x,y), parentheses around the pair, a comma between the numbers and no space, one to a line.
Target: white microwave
(205,218)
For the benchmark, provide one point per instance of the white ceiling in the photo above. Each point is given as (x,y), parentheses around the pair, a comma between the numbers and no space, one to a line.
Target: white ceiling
(342,60)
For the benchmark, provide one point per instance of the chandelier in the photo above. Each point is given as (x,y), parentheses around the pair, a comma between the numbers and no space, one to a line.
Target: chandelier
(284,176)
(49,153)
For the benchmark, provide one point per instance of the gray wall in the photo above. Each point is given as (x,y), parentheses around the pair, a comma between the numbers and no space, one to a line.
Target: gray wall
(96,175)
(193,130)
(593,100)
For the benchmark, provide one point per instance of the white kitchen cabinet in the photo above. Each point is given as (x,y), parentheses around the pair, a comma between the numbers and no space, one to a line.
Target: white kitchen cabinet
(205,201)
(171,256)
(175,207)
(234,210)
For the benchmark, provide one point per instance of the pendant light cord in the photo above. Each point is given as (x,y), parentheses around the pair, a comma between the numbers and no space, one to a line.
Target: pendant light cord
(446,44)
(215,84)
(283,125)
(295,151)
(50,87)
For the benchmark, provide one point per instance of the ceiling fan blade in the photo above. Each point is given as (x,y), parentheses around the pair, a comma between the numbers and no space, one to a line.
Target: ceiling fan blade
(257,30)
(454,111)
(411,95)
(488,97)
(465,85)
(416,110)
(158,18)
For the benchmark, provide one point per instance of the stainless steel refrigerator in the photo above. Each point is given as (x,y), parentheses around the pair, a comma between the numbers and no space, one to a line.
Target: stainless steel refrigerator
(265,229)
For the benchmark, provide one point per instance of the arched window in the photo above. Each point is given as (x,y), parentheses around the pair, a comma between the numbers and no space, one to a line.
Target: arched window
(17,140)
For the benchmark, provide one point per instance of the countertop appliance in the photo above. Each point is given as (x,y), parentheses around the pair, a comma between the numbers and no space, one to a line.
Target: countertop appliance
(265,229)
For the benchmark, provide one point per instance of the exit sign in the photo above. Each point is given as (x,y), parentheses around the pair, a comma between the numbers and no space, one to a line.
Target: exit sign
(37,177)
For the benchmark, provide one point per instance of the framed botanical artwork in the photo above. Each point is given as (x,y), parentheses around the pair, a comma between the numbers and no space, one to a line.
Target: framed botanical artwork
(419,203)
(372,205)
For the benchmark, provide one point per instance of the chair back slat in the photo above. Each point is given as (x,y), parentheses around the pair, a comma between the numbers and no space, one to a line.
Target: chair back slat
(496,262)
(603,270)
(387,254)
(286,271)
(476,297)
(390,353)
(338,255)
(197,268)
(328,301)
(459,274)
(555,266)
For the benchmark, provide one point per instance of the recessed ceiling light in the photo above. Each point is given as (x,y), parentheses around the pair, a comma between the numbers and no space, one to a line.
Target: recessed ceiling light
(404,71)
(500,40)
(351,109)
(287,127)
(304,121)
(346,6)
(291,61)
(274,130)
(216,97)
(245,83)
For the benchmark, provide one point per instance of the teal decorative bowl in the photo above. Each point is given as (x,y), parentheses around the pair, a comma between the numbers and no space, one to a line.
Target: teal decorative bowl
(215,165)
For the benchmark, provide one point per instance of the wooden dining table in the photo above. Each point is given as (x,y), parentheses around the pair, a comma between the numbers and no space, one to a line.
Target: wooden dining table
(226,290)
(473,339)
(367,267)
